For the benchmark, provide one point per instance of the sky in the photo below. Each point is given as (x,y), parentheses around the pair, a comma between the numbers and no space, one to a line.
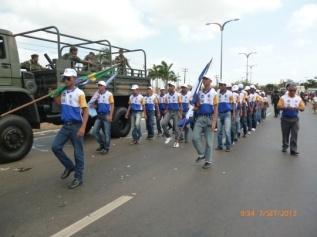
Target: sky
(282,32)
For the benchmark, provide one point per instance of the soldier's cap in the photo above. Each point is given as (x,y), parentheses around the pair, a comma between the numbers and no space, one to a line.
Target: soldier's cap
(171,84)
(70,72)
(34,55)
(73,48)
(134,87)
(184,85)
(102,83)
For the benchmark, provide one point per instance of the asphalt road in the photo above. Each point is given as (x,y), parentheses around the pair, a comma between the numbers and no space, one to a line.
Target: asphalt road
(246,193)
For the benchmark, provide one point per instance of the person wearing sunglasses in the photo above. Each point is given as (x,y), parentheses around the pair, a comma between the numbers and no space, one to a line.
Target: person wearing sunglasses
(290,104)
(74,116)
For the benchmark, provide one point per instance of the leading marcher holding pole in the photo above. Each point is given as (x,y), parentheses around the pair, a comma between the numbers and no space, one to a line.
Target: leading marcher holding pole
(207,112)
(74,115)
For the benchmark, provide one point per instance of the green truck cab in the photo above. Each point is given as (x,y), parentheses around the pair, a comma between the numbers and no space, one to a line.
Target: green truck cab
(18,87)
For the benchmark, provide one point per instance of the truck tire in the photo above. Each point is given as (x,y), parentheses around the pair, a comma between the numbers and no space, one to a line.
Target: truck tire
(120,126)
(16,138)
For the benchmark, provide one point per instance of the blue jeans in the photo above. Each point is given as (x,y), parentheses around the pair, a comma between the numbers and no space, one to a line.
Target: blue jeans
(235,127)
(150,114)
(203,125)
(136,125)
(224,126)
(69,132)
(103,139)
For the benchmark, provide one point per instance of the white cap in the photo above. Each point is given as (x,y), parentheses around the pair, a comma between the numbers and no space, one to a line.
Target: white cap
(134,87)
(247,88)
(229,84)
(235,88)
(240,86)
(184,85)
(209,76)
(150,87)
(172,84)
(223,82)
(162,88)
(252,87)
(70,72)
(101,83)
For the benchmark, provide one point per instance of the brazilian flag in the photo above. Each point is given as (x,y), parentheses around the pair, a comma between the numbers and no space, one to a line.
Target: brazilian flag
(82,80)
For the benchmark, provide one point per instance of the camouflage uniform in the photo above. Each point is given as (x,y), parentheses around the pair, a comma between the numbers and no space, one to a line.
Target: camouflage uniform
(123,64)
(31,66)
(91,63)
(69,56)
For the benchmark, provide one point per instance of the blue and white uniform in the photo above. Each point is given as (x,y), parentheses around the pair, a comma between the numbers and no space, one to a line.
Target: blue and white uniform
(207,100)
(72,102)
(136,102)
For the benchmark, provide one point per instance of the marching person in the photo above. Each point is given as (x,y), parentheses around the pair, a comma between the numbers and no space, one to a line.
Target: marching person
(74,115)
(237,109)
(244,112)
(136,108)
(206,118)
(174,112)
(162,108)
(290,104)
(151,105)
(275,98)
(104,103)
(225,105)
(185,94)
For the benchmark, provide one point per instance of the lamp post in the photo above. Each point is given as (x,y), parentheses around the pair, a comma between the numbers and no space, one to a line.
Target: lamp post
(222,27)
(251,67)
(247,55)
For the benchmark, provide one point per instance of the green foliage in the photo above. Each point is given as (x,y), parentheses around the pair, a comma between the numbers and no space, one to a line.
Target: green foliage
(163,71)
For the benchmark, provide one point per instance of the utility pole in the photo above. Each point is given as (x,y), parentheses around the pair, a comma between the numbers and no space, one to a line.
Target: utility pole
(185,70)
(247,55)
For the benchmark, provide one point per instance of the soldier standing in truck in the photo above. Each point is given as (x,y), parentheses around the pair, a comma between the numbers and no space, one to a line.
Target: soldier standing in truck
(72,56)
(122,63)
(32,64)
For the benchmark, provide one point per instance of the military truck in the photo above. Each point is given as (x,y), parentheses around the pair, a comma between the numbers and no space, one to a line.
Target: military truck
(18,87)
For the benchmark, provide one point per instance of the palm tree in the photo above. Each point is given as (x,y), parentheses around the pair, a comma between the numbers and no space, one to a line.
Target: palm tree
(165,72)
(154,74)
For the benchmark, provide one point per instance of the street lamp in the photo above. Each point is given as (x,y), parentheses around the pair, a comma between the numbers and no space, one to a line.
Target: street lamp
(247,55)
(222,27)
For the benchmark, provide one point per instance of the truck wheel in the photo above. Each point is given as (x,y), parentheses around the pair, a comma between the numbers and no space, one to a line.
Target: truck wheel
(16,138)
(120,126)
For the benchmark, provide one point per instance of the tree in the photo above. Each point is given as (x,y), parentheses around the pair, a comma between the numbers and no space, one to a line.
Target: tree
(163,71)
(166,73)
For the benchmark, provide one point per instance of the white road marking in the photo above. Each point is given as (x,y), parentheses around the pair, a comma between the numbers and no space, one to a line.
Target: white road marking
(46,131)
(92,217)
(37,138)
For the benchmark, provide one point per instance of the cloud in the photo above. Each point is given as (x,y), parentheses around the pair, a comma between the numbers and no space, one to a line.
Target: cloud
(304,18)
(118,20)
(189,17)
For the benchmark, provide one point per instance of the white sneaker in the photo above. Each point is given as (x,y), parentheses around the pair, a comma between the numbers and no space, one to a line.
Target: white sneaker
(176,145)
(167,140)
(253,129)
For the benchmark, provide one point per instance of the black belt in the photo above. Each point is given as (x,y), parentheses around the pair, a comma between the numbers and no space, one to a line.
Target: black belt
(71,122)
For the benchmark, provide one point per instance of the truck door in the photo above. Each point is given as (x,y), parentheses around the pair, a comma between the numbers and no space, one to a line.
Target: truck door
(5,63)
